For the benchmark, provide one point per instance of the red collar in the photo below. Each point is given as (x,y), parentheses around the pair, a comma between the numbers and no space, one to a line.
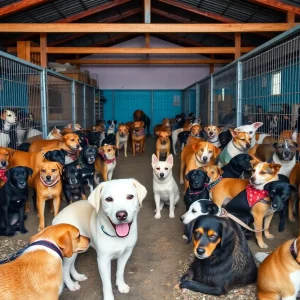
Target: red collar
(51,184)
(72,154)
(3,175)
(254,195)
(108,161)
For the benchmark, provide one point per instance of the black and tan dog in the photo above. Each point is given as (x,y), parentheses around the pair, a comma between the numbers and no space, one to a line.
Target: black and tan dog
(223,259)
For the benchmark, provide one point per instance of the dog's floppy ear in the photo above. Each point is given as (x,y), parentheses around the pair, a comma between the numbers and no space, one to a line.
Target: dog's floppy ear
(157,132)
(94,197)
(169,160)
(187,175)
(141,191)
(154,160)
(293,188)
(207,179)
(29,171)
(196,146)
(59,168)
(188,230)
(212,208)
(227,234)
(217,151)
(275,167)
(275,145)
(64,243)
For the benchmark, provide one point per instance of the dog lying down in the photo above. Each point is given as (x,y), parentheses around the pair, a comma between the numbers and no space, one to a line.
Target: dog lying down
(109,219)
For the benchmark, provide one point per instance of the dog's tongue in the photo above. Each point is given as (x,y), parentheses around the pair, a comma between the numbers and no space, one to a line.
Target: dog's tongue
(122,230)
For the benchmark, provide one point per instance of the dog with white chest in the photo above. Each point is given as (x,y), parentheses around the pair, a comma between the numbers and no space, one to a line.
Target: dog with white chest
(164,186)
(109,219)
(8,119)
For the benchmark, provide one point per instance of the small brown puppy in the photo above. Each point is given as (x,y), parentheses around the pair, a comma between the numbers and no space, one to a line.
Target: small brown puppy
(37,273)
(48,186)
(163,144)
(69,142)
(279,273)
(122,138)
(138,137)
(4,163)
(105,163)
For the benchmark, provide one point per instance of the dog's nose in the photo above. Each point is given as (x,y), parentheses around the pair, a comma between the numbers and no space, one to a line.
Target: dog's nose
(122,215)
(200,251)
(275,205)
(3,163)
(248,145)
(204,158)
(161,175)
(77,146)
(286,153)
(48,177)
(210,133)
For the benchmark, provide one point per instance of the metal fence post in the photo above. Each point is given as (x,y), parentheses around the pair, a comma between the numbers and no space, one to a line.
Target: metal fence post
(197,112)
(239,91)
(99,105)
(113,105)
(73,101)
(94,107)
(152,111)
(44,106)
(211,99)
(84,106)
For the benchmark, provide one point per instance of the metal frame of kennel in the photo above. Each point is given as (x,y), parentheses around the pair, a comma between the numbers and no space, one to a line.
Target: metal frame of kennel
(52,98)
(230,96)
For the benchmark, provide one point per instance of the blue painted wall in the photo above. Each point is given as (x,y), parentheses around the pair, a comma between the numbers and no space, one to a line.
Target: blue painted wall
(121,104)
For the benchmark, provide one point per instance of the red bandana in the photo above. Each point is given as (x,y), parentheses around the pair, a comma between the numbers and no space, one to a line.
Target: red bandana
(108,161)
(254,195)
(2,175)
(72,155)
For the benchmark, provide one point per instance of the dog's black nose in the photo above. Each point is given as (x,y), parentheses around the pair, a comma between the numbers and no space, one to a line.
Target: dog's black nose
(286,153)
(204,158)
(161,175)
(248,145)
(200,251)
(275,205)
(48,177)
(77,146)
(3,163)
(122,215)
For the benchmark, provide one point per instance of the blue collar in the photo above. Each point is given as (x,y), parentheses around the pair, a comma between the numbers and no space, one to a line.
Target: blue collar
(210,186)
(37,243)
(102,228)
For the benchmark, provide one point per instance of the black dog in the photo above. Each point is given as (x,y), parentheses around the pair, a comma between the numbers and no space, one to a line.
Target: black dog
(94,138)
(72,182)
(83,140)
(196,189)
(13,197)
(180,120)
(110,139)
(86,161)
(237,166)
(223,259)
(56,155)
(224,137)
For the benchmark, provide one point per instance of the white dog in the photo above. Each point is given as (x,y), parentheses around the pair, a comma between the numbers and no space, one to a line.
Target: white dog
(8,118)
(251,130)
(109,219)
(164,186)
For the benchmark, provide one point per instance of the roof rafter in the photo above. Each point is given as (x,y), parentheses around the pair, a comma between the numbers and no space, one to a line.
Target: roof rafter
(20,5)
(278,5)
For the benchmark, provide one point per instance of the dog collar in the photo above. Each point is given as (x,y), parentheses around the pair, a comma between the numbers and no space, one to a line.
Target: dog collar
(3,175)
(293,250)
(108,161)
(72,154)
(44,243)
(51,184)
(102,228)
(243,150)
(196,192)
(139,133)
(211,185)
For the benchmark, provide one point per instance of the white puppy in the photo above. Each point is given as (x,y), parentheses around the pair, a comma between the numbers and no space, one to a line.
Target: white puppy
(109,219)
(164,186)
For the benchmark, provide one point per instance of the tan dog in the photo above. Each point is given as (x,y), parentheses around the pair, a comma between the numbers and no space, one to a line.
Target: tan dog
(138,137)
(48,186)
(122,138)
(37,273)
(5,157)
(163,144)
(165,126)
(105,163)
(65,131)
(69,142)
(195,156)
(213,132)
(279,273)
(294,180)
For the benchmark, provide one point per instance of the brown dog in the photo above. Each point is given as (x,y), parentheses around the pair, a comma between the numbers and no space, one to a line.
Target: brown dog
(48,186)
(105,163)
(5,157)
(138,137)
(279,273)
(122,138)
(165,126)
(294,180)
(163,144)
(195,156)
(37,273)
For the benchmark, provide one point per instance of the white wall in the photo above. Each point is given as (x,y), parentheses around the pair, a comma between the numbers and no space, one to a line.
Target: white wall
(147,76)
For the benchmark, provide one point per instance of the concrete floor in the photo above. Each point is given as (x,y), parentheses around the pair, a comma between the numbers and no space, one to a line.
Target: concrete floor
(153,269)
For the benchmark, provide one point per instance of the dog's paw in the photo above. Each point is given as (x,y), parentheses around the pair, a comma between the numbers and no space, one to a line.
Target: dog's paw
(292,219)
(24,231)
(185,237)
(263,245)
(11,234)
(79,277)
(172,215)
(157,216)
(181,181)
(40,228)
(269,236)
(123,288)
(74,286)
(27,210)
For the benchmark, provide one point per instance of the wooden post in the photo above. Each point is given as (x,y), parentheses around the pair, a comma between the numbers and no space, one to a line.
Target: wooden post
(43,50)
(290,19)
(23,50)
(77,66)
(237,43)
(211,66)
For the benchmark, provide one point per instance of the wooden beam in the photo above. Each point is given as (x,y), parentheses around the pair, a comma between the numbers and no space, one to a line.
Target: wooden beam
(290,19)
(278,5)
(113,39)
(23,50)
(147,40)
(111,19)
(146,62)
(20,6)
(117,50)
(43,49)
(140,28)
(237,43)
(147,11)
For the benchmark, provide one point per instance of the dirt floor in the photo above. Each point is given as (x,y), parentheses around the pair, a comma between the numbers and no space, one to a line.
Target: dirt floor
(160,257)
